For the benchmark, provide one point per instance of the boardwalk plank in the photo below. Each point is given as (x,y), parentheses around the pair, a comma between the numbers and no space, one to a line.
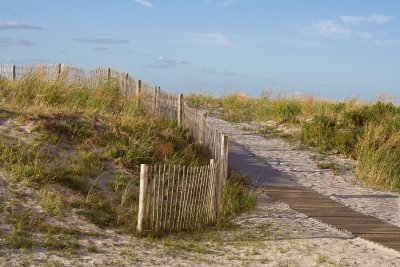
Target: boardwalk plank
(330,212)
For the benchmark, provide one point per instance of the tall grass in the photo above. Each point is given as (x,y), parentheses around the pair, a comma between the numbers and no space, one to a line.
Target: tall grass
(78,133)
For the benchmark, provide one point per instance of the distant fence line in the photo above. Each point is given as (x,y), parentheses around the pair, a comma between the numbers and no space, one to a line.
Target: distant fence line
(170,197)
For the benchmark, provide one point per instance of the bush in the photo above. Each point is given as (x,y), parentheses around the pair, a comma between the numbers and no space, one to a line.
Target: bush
(286,110)
(236,197)
(378,154)
(319,132)
(238,108)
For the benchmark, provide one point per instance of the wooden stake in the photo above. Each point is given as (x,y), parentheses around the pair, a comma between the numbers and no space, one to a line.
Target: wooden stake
(109,74)
(213,204)
(180,109)
(142,195)
(59,70)
(139,88)
(224,160)
(14,74)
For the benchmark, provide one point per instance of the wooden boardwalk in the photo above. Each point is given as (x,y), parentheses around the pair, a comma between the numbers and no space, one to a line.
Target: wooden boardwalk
(328,211)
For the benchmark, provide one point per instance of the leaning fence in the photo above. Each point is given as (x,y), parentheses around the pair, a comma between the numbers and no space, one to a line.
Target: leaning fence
(170,197)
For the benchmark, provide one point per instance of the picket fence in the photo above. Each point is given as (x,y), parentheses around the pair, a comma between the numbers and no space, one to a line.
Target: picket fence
(170,197)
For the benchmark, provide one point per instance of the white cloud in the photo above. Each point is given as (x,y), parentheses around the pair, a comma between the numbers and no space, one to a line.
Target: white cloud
(171,62)
(145,3)
(102,40)
(328,28)
(345,27)
(220,72)
(12,24)
(222,3)
(7,41)
(225,2)
(379,19)
(211,39)
(166,63)
(364,35)
(387,43)
(373,18)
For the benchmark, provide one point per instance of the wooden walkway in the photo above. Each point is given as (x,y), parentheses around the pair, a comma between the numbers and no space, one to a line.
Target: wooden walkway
(305,200)
(328,211)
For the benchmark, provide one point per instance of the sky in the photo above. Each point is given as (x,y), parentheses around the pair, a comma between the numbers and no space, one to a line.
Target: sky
(336,49)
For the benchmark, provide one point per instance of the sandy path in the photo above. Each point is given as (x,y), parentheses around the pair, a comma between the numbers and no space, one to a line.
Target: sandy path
(300,166)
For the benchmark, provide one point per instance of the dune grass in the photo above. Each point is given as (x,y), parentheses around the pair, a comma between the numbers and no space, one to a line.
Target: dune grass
(79,136)
(367,132)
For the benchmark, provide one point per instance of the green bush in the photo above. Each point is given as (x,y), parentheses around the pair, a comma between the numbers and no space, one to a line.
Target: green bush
(378,154)
(319,132)
(236,197)
(238,108)
(286,110)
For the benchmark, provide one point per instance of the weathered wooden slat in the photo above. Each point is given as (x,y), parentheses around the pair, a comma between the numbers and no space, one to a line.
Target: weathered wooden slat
(330,212)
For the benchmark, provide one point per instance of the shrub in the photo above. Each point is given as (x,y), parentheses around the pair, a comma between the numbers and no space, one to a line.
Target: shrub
(378,154)
(319,132)
(286,110)
(238,108)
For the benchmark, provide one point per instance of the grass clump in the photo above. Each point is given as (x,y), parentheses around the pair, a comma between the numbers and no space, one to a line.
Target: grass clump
(378,154)
(51,203)
(236,197)
(22,222)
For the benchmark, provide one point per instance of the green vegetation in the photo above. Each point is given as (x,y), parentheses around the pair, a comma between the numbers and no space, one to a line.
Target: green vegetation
(236,198)
(81,147)
(369,133)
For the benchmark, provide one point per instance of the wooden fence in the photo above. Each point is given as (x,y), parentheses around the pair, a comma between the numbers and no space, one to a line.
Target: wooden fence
(177,197)
(171,197)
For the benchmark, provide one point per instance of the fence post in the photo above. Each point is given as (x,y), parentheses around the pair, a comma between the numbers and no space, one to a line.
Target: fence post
(142,195)
(59,70)
(14,74)
(109,74)
(138,88)
(180,109)
(214,186)
(156,95)
(223,161)
(203,130)
(127,85)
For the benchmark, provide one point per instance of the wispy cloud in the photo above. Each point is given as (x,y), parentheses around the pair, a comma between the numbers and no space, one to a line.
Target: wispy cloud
(327,28)
(12,24)
(145,3)
(171,62)
(166,63)
(212,39)
(220,72)
(373,18)
(222,3)
(8,41)
(100,49)
(387,43)
(101,40)
(345,27)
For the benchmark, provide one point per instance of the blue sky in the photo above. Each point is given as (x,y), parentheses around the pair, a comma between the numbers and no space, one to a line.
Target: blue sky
(329,48)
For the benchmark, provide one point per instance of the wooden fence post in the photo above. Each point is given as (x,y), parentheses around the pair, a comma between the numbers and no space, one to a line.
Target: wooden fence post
(14,74)
(138,88)
(156,96)
(59,70)
(223,161)
(127,85)
(108,74)
(214,186)
(203,130)
(142,195)
(180,109)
